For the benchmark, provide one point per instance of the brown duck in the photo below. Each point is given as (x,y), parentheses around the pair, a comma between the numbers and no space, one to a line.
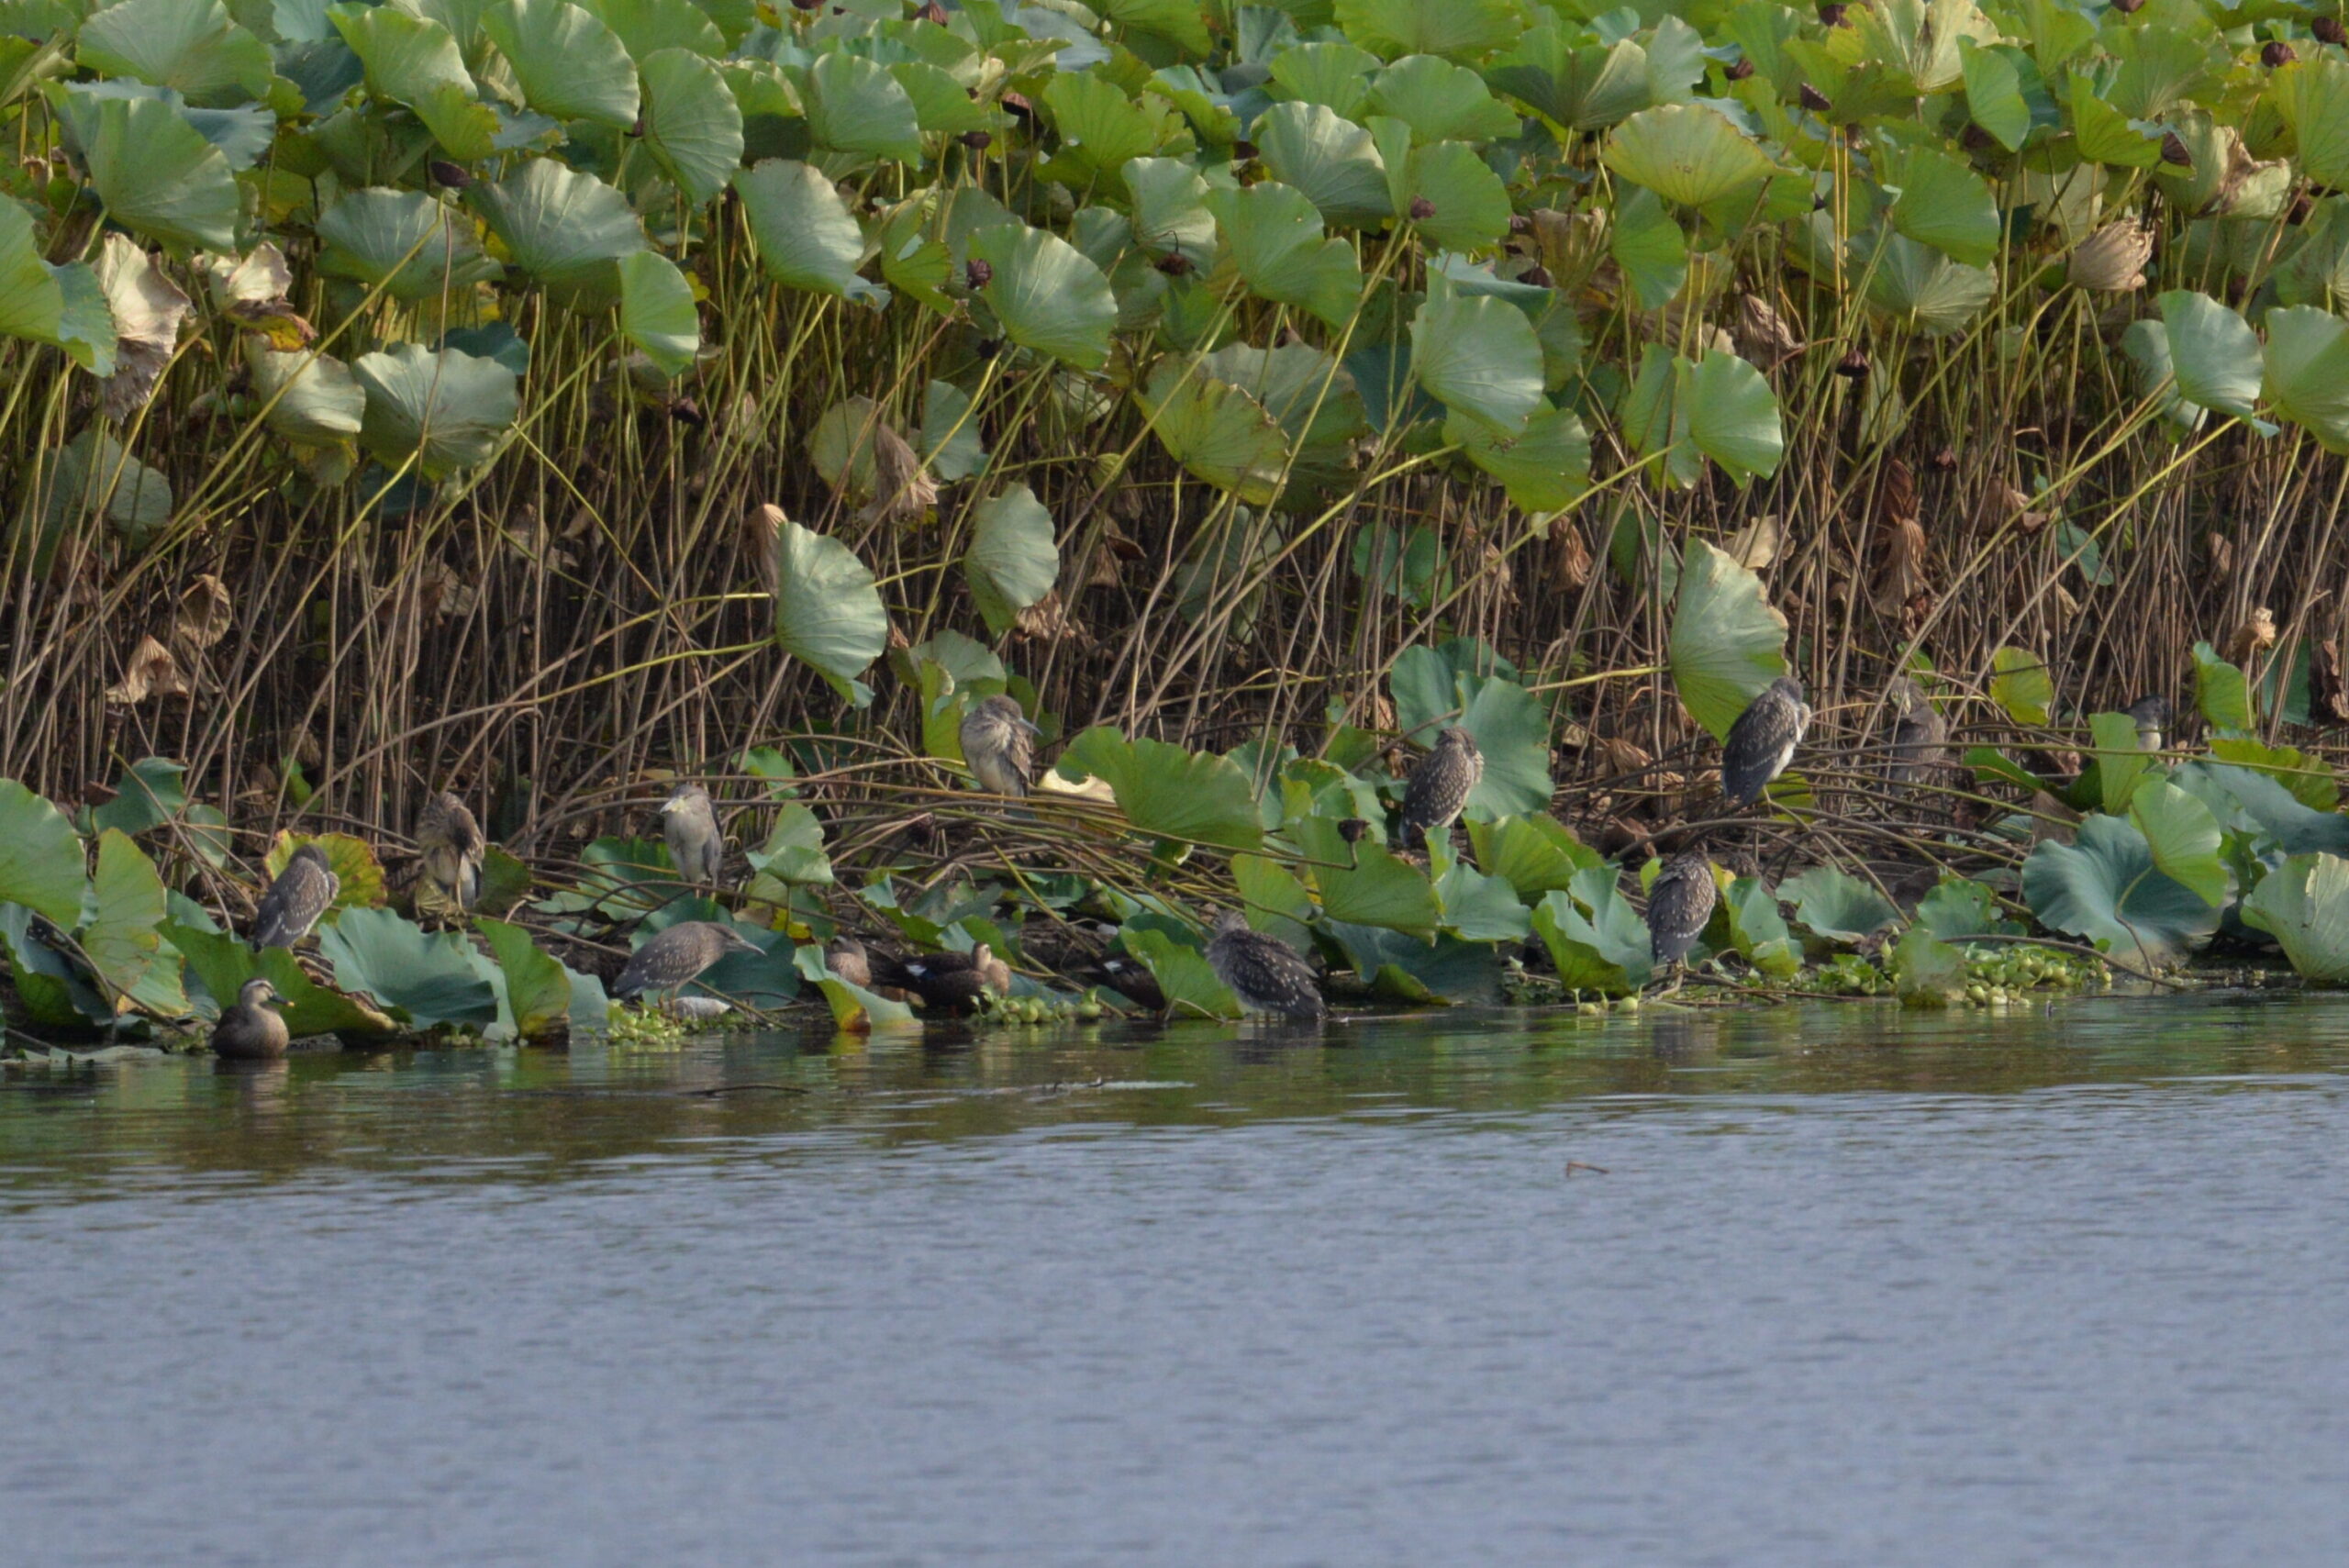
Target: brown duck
(251,1030)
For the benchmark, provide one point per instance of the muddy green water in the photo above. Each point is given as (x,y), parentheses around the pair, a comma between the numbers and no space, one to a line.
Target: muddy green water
(2066,1286)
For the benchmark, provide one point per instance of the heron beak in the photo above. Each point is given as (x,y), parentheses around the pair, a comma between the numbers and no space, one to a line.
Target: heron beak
(1028,725)
(668,805)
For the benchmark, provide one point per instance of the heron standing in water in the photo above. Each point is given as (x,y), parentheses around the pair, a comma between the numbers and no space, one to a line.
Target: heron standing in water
(1440,785)
(2152,716)
(1763,742)
(1000,744)
(677,956)
(251,1030)
(689,827)
(453,847)
(1266,973)
(305,890)
(1680,903)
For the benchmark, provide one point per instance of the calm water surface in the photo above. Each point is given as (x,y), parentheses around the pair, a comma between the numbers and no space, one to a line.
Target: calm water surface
(1847,1287)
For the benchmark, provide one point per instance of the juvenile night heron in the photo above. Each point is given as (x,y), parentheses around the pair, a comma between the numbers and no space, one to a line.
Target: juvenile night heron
(1266,973)
(1441,786)
(251,1030)
(676,957)
(1919,736)
(689,825)
(1763,742)
(947,982)
(1679,903)
(2152,713)
(305,890)
(1000,745)
(846,957)
(453,847)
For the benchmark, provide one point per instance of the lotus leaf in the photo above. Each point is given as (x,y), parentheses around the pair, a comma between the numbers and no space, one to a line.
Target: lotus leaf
(2020,684)
(692,123)
(827,611)
(59,305)
(1534,854)
(449,410)
(1013,560)
(1686,154)
(190,46)
(1595,938)
(1959,907)
(570,65)
(1365,884)
(1926,971)
(1397,27)
(856,106)
(2220,692)
(1216,431)
(1047,296)
(1757,931)
(403,240)
(1727,641)
(2105,886)
(352,859)
(533,989)
(427,980)
(2182,836)
(1182,973)
(416,60)
(657,312)
(565,229)
(1331,159)
(2308,373)
(221,964)
(1279,252)
(1478,357)
(155,173)
(1169,792)
(1837,906)
(2212,352)
(2304,904)
(648,28)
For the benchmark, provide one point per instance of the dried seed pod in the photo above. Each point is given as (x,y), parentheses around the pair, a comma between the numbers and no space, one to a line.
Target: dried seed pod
(2174,152)
(1812,99)
(2327,30)
(2112,260)
(1831,14)
(1175,265)
(1422,210)
(2276,52)
(976,140)
(1853,366)
(450,176)
(977,274)
(1739,69)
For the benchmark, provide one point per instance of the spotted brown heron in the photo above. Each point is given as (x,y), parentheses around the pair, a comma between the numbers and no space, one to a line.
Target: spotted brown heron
(1440,785)
(1763,742)
(2151,716)
(251,1030)
(305,890)
(947,982)
(676,957)
(1000,744)
(1266,973)
(689,826)
(1680,902)
(453,847)
(1920,735)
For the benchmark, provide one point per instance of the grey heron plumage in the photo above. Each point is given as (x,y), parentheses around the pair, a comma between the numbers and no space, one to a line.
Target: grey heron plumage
(1000,744)
(1680,902)
(1920,735)
(689,827)
(305,890)
(2151,716)
(677,956)
(1266,973)
(251,1030)
(452,846)
(1763,741)
(947,982)
(1440,785)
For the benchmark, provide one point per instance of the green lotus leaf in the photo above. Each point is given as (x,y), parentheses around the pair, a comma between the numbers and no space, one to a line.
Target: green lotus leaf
(827,613)
(1441,101)
(566,229)
(1944,203)
(1476,907)
(1647,243)
(1392,28)
(416,60)
(2304,904)
(1310,395)
(92,474)
(52,987)
(221,964)
(154,172)
(308,397)
(190,46)
(1365,884)
(2309,780)
(1837,906)
(2182,836)
(1334,76)
(1534,853)
(1727,641)
(41,858)
(2221,692)
(1276,902)
(646,28)
(657,312)
(2104,134)
(1168,792)
(2146,343)
(1278,250)
(941,104)
(1595,938)
(1216,431)
(1732,415)
(2213,352)
(450,410)
(425,980)
(1179,22)
(1994,94)
(1183,972)
(2248,799)
(1432,688)
(1926,971)
(2312,97)
(62,307)
(692,123)
(1013,560)
(1546,469)
(149,794)
(806,237)
(1959,907)
(1171,215)
(1100,128)
(1047,295)
(1330,158)
(2106,887)
(949,441)
(794,852)
(534,991)
(1752,925)
(1578,85)
(2120,765)
(2021,686)
(2308,373)
(569,64)
(1917,284)
(413,245)
(1686,154)
(1471,207)
(1479,358)
(854,106)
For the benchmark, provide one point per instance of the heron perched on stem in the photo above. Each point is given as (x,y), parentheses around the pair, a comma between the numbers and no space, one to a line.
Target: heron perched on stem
(676,957)
(1680,902)
(2151,716)
(947,982)
(1266,973)
(1440,785)
(452,846)
(1000,744)
(1763,741)
(1920,735)
(305,890)
(689,826)
(251,1030)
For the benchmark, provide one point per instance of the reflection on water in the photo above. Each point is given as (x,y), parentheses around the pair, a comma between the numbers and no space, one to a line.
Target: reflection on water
(1820,1286)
